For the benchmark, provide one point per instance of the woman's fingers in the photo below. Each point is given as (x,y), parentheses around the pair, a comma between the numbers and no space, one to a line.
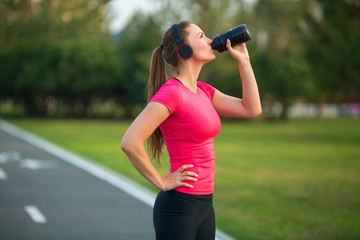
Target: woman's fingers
(230,49)
(177,178)
(189,173)
(186,178)
(183,167)
(183,184)
(228,45)
(189,176)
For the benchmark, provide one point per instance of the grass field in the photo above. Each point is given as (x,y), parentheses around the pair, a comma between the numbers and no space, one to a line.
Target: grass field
(284,180)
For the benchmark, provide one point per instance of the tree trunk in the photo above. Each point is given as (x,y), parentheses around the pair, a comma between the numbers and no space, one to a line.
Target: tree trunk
(285,110)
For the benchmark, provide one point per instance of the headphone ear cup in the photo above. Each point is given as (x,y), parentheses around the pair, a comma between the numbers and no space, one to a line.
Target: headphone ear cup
(185,51)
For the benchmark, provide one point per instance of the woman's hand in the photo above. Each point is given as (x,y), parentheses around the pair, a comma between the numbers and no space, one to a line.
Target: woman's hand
(238,52)
(175,179)
(250,105)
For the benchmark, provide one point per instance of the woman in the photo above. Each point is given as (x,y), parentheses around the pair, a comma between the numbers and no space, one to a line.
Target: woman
(184,113)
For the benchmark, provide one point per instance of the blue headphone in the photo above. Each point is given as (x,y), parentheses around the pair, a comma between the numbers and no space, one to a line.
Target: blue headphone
(184,50)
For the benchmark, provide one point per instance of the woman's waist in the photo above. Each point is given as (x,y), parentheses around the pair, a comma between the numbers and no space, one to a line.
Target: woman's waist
(199,162)
(204,168)
(195,155)
(190,196)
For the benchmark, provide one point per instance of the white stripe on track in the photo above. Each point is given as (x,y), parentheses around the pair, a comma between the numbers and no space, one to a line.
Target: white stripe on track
(117,180)
(35,214)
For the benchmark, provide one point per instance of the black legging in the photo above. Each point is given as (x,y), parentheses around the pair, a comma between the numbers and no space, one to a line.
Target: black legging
(184,216)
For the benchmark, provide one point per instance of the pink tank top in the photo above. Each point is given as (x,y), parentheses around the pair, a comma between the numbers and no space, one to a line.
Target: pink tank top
(189,131)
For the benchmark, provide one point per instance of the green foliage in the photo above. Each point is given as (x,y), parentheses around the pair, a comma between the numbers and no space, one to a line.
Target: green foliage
(48,20)
(299,50)
(332,49)
(282,70)
(71,70)
(138,41)
(58,49)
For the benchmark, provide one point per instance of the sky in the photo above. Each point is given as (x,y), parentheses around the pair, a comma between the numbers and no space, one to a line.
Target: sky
(122,11)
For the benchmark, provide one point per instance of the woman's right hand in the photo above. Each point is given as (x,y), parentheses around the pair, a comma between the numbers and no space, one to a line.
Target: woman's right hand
(175,179)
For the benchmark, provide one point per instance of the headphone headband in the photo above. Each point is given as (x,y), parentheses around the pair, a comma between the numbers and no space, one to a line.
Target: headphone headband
(177,35)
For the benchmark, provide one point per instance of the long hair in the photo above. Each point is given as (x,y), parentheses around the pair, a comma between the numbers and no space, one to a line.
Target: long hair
(168,51)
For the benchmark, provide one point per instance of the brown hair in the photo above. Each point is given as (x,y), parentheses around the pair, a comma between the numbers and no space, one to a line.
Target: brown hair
(168,51)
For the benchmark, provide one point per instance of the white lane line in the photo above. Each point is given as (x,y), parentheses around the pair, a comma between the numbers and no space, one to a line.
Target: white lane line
(3,175)
(35,214)
(117,180)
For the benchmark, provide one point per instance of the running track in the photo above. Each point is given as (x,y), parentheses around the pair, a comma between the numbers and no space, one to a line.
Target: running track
(47,192)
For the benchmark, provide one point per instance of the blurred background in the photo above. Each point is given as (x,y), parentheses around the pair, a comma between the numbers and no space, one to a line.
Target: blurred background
(68,66)
(91,58)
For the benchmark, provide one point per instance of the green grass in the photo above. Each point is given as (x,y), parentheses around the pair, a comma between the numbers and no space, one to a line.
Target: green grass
(284,180)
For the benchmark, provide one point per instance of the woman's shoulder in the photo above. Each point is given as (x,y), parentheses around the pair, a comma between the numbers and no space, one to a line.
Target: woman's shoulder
(172,82)
(169,95)
(171,86)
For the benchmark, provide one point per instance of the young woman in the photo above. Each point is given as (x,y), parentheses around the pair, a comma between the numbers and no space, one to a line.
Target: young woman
(184,113)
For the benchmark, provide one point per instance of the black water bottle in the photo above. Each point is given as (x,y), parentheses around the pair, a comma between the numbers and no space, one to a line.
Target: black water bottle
(236,35)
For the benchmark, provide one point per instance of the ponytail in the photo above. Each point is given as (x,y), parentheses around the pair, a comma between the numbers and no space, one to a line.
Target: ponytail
(168,52)
(157,73)
(156,80)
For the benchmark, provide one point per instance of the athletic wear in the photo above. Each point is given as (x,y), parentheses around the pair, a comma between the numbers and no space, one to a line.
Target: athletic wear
(180,216)
(189,131)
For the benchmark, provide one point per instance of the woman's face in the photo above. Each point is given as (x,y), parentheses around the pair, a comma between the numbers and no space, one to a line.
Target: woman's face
(200,44)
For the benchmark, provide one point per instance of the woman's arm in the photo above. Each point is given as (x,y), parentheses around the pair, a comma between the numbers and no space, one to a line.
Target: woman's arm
(250,105)
(133,145)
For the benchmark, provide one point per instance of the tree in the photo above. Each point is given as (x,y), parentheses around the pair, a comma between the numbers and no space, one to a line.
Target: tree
(282,69)
(33,47)
(332,49)
(87,68)
(48,20)
(138,41)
